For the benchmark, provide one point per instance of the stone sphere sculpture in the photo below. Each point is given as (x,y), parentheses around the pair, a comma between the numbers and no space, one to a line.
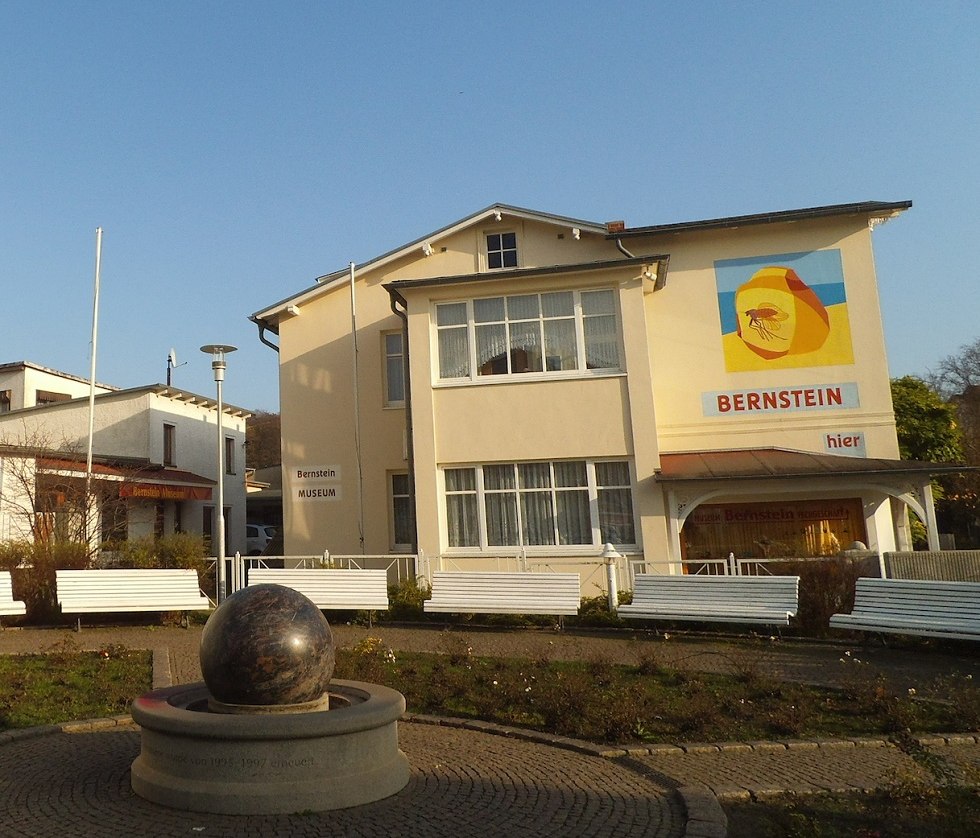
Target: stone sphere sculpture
(267,647)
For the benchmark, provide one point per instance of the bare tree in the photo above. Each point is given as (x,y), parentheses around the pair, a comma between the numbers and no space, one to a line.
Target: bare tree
(958,372)
(263,440)
(44,497)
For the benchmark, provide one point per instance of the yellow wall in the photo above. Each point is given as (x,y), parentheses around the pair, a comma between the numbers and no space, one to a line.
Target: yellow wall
(686,350)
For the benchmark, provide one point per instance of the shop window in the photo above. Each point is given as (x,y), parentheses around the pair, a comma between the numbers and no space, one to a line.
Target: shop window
(772,530)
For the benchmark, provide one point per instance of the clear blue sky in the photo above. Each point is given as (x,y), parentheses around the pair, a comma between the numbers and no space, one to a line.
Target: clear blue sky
(232,152)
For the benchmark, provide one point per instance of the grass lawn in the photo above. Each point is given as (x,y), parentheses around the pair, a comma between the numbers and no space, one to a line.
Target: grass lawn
(65,685)
(909,811)
(648,702)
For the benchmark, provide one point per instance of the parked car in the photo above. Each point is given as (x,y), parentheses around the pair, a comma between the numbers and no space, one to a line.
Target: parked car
(257,537)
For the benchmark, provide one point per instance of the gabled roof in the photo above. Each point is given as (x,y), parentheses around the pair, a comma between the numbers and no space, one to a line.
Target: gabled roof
(877,210)
(755,463)
(330,280)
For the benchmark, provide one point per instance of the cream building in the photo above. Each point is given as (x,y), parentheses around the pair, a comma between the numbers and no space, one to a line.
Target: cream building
(520,383)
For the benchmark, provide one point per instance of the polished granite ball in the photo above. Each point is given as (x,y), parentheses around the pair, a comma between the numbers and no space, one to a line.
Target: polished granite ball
(267,645)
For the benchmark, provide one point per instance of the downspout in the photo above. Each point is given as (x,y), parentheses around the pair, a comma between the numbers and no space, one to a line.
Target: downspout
(262,329)
(357,413)
(623,250)
(397,299)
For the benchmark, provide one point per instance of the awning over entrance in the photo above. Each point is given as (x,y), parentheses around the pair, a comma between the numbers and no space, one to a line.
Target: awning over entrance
(141,481)
(748,463)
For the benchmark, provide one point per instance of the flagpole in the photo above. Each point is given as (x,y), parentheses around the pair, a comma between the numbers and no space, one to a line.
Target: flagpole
(91,381)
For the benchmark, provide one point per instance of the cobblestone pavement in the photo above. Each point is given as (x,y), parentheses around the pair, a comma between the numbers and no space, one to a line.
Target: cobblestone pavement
(468,781)
(463,783)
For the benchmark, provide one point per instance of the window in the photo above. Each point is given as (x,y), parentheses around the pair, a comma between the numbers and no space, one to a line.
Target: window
(159,518)
(169,444)
(562,503)
(42,397)
(114,520)
(401,512)
(207,526)
(4,401)
(229,455)
(501,250)
(555,332)
(394,369)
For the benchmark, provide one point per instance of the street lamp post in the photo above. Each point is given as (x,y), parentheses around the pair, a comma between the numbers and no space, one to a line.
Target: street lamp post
(217,351)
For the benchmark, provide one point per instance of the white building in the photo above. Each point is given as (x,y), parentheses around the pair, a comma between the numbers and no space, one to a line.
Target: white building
(154,447)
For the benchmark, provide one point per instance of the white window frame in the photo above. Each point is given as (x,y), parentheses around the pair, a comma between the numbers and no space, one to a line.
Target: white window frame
(502,250)
(230,447)
(385,357)
(593,488)
(169,444)
(581,369)
(398,546)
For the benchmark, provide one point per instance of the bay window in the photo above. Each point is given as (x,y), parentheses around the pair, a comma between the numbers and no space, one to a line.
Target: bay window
(564,503)
(521,334)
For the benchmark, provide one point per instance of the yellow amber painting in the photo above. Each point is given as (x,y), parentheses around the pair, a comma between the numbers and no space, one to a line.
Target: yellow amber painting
(773,318)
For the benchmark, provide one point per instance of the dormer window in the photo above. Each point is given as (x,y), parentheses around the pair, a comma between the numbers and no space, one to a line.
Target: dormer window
(501,250)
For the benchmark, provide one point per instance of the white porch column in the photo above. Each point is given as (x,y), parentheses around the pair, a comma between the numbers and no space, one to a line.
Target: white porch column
(929,505)
(673,532)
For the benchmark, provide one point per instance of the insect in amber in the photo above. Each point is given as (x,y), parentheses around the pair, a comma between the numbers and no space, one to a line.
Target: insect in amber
(766,320)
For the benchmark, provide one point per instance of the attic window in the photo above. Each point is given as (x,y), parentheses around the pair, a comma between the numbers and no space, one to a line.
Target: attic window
(501,250)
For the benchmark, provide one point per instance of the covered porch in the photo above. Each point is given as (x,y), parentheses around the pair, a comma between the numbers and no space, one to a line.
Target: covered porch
(772,502)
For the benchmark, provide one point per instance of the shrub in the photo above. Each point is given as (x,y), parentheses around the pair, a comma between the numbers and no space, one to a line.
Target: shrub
(594,611)
(33,574)
(826,587)
(14,553)
(405,600)
(182,550)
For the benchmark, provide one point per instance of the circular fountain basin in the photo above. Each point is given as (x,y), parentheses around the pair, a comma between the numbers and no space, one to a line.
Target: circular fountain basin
(269,763)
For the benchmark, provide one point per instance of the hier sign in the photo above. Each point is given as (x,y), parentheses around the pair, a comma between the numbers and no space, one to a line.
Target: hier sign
(315,483)
(847,443)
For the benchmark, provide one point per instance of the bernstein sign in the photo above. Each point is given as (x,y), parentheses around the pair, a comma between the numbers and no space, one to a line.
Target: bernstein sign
(804,397)
(161,491)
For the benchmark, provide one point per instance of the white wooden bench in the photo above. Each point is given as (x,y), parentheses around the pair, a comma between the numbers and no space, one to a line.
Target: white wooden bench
(125,590)
(331,589)
(471,592)
(770,600)
(914,606)
(9,607)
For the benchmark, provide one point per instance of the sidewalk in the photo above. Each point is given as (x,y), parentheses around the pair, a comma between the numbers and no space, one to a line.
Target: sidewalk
(480,779)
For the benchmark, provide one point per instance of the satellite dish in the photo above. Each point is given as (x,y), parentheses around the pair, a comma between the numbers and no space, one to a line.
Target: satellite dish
(172,358)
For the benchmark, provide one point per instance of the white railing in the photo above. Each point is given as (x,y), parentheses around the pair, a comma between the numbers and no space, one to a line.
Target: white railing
(399,566)
(942,565)
(591,569)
